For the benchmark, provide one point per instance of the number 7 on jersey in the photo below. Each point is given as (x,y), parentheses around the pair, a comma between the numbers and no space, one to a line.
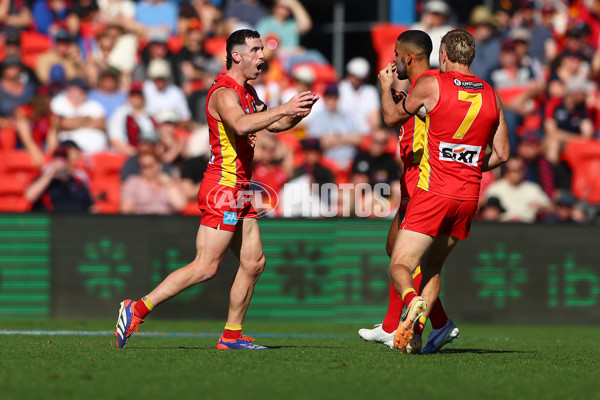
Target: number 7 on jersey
(475,100)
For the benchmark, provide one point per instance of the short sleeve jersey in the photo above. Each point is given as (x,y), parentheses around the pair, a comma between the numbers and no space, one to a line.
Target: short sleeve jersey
(412,139)
(458,130)
(231,154)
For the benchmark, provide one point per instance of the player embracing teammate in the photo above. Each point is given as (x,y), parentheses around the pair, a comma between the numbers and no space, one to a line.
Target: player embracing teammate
(462,116)
(411,61)
(235,114)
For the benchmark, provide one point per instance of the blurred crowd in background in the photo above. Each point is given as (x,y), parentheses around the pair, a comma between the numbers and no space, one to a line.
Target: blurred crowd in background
(102,105)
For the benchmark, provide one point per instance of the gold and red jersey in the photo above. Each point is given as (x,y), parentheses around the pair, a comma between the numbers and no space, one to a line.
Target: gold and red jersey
(458,130)
(412,140)
(231,154)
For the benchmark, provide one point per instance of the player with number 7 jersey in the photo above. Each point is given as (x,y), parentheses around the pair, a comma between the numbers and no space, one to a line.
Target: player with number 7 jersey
(457,133)
(464,116)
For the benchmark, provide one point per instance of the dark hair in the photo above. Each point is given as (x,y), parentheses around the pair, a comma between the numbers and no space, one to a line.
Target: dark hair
(238,38)
(419,42)
(460,46)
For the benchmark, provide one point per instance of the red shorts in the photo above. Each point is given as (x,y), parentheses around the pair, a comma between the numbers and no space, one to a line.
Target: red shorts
(436,215)
(223,206)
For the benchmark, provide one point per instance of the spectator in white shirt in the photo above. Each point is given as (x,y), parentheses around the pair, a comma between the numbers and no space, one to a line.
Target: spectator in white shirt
(161,95)
(434,22)
(79,118)
(336,130)
(358,98)
(522,200)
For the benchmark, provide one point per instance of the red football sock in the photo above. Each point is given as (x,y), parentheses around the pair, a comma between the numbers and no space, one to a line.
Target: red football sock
(408,296)
(232,331)
(419,326)
(142,307)
(437,315)
(394,311)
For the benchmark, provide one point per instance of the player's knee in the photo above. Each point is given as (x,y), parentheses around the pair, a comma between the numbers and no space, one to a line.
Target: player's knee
(257,267)
(399,267)
(205,272)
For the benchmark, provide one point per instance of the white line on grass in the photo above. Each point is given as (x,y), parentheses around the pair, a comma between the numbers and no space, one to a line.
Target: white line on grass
(44,332)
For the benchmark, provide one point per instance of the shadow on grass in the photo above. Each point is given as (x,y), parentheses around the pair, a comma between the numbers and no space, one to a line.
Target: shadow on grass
(213,347)
(483,351)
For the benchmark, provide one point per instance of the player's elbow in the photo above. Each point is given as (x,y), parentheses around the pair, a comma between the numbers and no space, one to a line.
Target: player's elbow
(243,130)
(390,121)
(504,154)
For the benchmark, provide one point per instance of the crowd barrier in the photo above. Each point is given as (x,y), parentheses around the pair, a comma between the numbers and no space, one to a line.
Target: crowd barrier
(325,270)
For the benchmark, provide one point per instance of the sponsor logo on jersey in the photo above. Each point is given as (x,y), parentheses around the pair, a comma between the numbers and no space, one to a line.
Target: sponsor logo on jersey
(247,109)
(230,218)
(462,153)
(468,84)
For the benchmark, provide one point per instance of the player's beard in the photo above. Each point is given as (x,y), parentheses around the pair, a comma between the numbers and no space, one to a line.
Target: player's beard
(401,70)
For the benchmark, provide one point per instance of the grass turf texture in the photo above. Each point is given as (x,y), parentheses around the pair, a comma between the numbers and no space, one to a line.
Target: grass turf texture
(505,362)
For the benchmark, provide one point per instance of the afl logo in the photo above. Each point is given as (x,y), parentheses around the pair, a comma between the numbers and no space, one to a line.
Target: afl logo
(228,202)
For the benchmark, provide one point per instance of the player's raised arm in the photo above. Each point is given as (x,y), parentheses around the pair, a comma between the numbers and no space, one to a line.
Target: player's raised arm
(224,105)
(498,142)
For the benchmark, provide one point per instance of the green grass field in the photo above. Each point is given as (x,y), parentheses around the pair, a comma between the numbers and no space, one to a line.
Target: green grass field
(321,362)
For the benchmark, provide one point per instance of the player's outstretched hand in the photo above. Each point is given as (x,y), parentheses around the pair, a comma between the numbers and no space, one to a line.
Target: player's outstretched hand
(386,77)
(301,104)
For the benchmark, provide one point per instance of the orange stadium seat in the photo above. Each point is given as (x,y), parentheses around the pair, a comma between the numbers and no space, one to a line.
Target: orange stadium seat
(175,43)
(191,208)
(18,165)
(341,175)
(391,147)
(8,139)
(11,195)
(384,37)
(106,194)
(107,164)
(583,156)
(215,46)
(32,45)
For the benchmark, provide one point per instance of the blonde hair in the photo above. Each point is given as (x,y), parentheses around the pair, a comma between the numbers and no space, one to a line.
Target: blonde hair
(460,46)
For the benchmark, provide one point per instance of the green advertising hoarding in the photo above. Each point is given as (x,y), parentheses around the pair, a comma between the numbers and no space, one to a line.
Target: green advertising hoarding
(329,270)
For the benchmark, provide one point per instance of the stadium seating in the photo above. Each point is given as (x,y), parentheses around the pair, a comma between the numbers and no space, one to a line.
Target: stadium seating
(384,37)
(583,156)
(107,164)
(8,139)
(32,45)
(175,43)
(215,46)
(11,196)
(17,171)
(191,208)
(106,194)
(105,181)
(19,166)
